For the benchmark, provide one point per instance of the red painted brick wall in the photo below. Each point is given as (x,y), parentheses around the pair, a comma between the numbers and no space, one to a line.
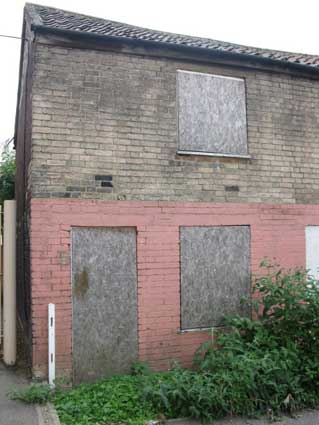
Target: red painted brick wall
(277,231)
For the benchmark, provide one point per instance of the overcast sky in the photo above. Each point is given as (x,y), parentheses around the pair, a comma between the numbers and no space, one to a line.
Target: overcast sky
(276,24)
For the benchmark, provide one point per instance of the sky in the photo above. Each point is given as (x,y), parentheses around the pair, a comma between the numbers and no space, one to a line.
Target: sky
(290,25)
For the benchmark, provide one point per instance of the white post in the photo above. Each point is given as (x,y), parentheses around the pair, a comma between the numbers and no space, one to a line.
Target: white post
(9,284)
(51,338)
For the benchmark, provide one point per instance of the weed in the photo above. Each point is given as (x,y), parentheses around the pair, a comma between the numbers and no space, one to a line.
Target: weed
(115,400)
(34,393)
(140,368)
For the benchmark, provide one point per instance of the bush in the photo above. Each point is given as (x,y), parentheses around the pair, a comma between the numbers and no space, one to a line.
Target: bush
(256,367)
(289,307)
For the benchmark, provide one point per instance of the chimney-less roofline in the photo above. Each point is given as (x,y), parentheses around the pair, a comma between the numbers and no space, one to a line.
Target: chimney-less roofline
(241,59)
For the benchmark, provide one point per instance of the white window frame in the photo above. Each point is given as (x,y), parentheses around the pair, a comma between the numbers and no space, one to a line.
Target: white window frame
(312,251)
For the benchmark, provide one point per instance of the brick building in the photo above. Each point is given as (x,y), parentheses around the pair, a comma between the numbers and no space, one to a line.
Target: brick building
(154,172)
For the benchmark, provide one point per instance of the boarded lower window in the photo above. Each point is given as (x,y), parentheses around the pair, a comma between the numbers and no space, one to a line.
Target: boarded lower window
(211,114)
(215,274)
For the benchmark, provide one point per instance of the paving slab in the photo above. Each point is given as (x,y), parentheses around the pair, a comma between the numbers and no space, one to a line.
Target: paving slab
(14,412)
(47,415)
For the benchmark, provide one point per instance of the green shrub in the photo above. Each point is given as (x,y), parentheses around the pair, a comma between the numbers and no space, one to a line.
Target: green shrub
(289,307)
(256,367)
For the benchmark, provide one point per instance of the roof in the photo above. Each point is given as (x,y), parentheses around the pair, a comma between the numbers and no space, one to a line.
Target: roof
(51,19)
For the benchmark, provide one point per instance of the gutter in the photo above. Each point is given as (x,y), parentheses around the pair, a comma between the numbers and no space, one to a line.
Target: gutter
(180,48)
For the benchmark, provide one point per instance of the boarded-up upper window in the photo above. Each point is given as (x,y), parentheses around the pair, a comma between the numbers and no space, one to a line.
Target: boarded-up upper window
(215,274)
(211,114)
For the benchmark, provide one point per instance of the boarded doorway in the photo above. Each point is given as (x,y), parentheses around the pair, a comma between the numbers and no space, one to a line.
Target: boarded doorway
(104,290)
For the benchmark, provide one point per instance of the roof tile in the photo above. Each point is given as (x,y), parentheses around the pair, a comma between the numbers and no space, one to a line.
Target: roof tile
(52,18)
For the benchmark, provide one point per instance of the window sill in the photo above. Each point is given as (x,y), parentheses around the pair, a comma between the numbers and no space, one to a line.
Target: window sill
(220,155)
(209,329)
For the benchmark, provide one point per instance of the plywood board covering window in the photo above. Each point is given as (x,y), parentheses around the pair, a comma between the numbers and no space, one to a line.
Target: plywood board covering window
(215,274)
(211,114)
